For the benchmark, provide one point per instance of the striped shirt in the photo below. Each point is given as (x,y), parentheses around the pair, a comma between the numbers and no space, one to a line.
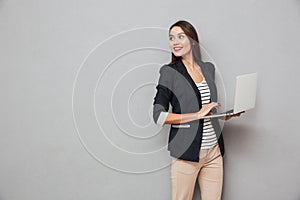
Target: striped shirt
(209,138)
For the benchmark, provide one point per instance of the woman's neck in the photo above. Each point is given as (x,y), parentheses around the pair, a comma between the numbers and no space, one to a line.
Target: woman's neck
(189,62)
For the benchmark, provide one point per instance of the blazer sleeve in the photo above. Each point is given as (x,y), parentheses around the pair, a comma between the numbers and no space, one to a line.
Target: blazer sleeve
(163,95)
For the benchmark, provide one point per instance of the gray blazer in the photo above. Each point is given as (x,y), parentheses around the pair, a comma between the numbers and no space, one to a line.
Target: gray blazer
(176,87)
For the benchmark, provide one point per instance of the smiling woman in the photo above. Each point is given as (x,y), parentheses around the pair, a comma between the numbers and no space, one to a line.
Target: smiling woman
(196,146)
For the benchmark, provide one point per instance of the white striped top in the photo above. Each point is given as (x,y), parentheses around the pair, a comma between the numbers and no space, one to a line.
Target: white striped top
(209,138)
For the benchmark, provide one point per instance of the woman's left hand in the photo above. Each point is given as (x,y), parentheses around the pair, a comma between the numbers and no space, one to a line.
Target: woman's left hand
(235,115)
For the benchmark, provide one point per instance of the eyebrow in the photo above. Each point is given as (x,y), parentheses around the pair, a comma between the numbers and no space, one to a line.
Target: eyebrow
(177,34)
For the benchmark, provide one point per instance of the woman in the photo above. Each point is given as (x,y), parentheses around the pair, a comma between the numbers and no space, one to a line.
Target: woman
(196,145)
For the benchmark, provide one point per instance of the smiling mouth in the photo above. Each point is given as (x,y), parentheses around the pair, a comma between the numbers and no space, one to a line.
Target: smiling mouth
(177,48)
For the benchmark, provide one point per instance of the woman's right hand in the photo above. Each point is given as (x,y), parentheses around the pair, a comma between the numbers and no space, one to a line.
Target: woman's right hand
(206,108)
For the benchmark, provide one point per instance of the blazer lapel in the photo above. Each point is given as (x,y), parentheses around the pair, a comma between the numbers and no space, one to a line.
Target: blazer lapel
(184,72)
(210,81)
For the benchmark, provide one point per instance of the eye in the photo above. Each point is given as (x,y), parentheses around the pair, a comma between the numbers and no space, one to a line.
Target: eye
(171,38)
(181,36)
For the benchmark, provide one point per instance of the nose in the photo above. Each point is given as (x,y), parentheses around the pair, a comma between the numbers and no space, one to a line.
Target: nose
(175,41)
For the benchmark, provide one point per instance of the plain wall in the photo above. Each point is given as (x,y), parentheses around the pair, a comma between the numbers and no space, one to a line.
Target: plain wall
(77,86)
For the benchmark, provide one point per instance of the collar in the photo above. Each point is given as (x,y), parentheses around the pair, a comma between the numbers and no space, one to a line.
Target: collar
(181,67)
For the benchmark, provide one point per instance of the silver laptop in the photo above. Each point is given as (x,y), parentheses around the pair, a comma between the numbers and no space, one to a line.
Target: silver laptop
(245,96)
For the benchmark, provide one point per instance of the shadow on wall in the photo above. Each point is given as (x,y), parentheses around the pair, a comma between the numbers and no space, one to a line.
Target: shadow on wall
(238,136)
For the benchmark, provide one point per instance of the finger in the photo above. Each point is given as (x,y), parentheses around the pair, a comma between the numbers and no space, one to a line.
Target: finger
(214,104)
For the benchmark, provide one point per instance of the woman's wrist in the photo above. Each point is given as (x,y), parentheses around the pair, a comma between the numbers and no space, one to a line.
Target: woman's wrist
(198,115)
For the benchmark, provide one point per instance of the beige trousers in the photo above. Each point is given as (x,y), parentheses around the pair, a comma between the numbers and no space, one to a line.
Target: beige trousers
(209,171)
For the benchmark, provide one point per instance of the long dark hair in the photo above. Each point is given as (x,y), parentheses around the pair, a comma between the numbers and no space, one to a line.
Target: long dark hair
(191,32)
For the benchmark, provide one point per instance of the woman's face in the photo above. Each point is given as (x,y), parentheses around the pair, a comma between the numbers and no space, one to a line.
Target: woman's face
(179,42)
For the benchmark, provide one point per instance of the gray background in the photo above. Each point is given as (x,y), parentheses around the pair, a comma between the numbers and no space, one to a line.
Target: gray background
(50,144)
